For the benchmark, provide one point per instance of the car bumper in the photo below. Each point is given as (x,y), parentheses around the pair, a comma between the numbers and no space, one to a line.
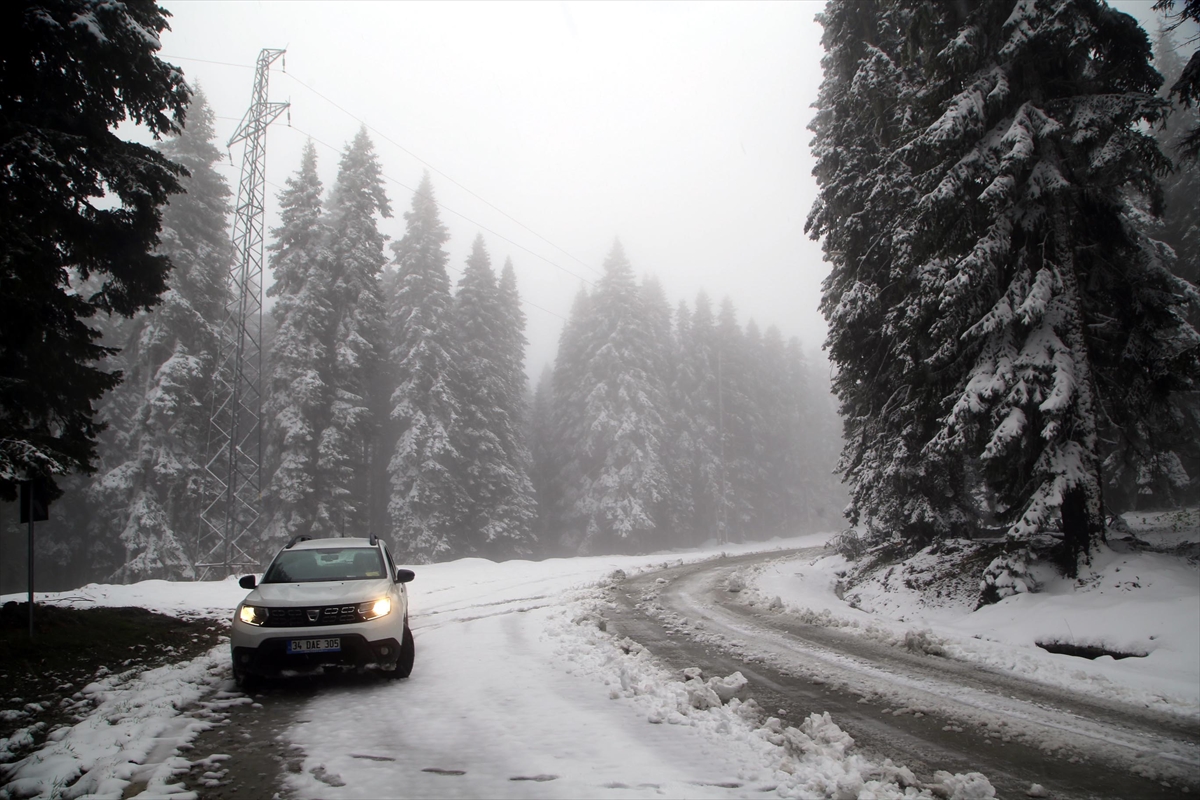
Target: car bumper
(270,657)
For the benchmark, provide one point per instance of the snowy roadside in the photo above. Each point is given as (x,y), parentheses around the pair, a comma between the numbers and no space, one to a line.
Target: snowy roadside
(132,735)
(1144,604)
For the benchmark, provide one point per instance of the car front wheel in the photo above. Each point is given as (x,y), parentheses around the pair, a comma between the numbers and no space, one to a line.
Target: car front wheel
(408,651)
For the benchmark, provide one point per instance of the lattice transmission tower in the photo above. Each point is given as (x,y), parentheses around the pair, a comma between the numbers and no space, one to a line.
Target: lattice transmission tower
(233,461)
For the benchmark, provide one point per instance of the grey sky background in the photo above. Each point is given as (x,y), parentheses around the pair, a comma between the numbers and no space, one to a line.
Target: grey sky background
(677,126)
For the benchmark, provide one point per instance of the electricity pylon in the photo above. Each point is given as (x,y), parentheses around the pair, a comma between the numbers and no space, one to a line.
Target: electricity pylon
(233,461)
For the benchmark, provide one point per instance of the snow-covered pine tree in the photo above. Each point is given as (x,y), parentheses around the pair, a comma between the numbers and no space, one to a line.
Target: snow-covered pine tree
(80,214)
(1185,84)
(994,297)
(887,397)
(681,432)
(696,405)
(150,490)
(775,401)
(497,486)
(523,505)
(568,424)
(1157,466)
(542,470)
(620,502)
(345,448)
(429,502)
(739,425)
(298,394)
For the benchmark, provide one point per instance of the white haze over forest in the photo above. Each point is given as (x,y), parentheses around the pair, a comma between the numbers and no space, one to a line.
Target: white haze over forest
(679,127)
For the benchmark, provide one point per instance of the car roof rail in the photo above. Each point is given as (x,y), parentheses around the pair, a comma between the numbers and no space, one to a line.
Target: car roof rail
(300,537)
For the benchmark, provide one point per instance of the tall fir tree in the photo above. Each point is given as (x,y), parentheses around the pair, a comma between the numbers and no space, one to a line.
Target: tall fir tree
(994,296)
(357,349)
(618,496)
(150,492)
(500,502)
(542,472)
(299,395)
(739,425)
(568,422)
(80,213)
(428,506)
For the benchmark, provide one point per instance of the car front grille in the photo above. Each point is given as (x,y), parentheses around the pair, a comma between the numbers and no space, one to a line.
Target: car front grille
(311,616)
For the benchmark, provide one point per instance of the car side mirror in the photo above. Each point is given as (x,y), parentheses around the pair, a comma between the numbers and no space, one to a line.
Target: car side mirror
(247,582)
(404,575)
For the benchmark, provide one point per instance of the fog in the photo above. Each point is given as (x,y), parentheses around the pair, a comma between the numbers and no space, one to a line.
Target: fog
(552,128)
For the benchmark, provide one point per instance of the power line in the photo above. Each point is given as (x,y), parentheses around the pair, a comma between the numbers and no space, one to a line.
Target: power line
(393,142)
(445,207)
(440,204)
(208,61)
(468,219)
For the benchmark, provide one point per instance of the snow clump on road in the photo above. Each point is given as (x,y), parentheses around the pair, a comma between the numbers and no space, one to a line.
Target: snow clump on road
(814,759)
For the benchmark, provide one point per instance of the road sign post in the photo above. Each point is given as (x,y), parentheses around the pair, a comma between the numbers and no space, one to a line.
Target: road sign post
(35,507)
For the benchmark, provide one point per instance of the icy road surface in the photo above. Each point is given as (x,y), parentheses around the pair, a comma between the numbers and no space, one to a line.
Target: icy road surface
(931,712)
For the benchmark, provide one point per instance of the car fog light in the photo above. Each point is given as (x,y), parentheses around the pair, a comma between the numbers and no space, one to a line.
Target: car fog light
(383,651)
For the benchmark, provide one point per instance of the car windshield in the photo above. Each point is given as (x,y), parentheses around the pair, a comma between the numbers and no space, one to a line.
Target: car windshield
(325,564)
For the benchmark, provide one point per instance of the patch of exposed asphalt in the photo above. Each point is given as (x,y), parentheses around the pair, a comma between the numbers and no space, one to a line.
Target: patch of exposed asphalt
(925,742)
(245,755)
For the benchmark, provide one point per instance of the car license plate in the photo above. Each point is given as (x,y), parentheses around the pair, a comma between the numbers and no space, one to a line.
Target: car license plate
(314,645)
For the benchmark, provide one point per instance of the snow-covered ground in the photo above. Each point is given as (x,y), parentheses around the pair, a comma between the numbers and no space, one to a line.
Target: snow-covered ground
(519,692)
(1144,604)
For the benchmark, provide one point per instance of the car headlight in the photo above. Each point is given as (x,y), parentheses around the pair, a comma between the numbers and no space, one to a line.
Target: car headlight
(252,615)
(374,609)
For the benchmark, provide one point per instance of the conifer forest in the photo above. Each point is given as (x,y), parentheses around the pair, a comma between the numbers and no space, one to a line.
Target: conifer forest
(1007,202)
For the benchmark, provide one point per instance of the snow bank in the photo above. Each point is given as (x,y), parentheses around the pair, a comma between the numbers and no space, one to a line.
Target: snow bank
(1125,602)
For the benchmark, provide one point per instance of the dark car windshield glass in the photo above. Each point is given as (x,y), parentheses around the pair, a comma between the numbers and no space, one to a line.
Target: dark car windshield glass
(326,564)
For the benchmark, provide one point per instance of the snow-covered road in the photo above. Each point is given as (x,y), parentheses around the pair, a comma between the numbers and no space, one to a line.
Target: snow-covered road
(901,701)
(525,685)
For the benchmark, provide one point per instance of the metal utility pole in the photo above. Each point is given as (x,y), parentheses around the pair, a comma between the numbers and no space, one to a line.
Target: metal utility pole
(233,461)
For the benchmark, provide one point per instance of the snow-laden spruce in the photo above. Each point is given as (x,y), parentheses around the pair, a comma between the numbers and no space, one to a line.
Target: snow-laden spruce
(997,309)
(150,489)
(298,391)
(357,352)
(491,369)
(611,418)
(428,500)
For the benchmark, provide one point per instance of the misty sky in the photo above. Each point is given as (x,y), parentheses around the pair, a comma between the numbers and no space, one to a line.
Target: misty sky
(677,126)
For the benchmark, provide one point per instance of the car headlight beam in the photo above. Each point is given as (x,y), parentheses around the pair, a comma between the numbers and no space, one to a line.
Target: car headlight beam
(252,615)
(374,609)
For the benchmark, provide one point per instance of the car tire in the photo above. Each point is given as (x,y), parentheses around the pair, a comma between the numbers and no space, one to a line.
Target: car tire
(244,681)
(408,651)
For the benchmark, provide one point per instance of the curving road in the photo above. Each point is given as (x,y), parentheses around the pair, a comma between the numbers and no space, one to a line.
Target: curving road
(927,712)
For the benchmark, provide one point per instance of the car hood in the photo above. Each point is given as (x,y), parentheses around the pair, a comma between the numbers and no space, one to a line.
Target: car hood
(318,594)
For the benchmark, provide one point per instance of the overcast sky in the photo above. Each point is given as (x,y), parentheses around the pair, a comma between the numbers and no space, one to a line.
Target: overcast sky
(678,127)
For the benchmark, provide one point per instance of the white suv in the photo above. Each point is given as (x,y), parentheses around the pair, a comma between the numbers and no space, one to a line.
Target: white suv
(324,603)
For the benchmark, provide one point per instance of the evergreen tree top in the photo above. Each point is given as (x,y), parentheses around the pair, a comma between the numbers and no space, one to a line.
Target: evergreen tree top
(192,146)
(297,240)
(360,180)
(421,248)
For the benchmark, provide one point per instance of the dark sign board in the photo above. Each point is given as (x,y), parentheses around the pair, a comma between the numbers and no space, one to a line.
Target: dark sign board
(35,498)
